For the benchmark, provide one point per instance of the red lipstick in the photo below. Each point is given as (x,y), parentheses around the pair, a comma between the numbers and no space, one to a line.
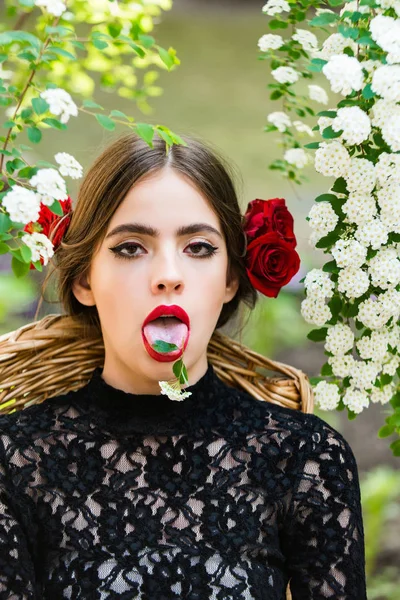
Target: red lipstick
(165,310)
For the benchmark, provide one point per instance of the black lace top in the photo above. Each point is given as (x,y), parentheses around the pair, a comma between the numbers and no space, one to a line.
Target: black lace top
(106,494)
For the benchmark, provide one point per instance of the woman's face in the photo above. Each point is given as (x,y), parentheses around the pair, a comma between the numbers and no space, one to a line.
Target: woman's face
(133,272)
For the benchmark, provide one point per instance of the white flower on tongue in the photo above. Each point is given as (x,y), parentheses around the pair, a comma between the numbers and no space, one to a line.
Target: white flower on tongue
(172,388)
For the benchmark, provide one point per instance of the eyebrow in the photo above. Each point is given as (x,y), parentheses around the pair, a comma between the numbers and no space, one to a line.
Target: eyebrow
(151,231)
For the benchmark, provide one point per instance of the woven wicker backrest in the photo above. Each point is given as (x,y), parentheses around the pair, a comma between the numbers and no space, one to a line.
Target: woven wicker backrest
(57,354)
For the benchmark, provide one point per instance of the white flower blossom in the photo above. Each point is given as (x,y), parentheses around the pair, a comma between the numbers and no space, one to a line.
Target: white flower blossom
(60,103)
(303,128)
(318,283)
(387,169)
(280,120)
(322,218)
(355,400)
(353,282)
(285,75)
(391,132)
(385,4)
(385,31)
(374,313)
(69,166)
(354,123)
(384,395)
(373,346)
(40,245)
(360,207)
(386,82)
(344,73)
(391,364)
(363,374)
(339,339)
(323,123)
(297,157)
(275,7)
(372,233)
(349,253)
(384,268)
(306,39)
(326,395)
(341,365)
(332,160)
(361,176)
(173,390)
(22,205)
(315,311)
(50,186)
(389,199)
(334,45)
(269,41)
(383,111)
(318,94)
(53,7)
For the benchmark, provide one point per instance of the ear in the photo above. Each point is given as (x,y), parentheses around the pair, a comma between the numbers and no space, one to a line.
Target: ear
(231,288)
(82,291)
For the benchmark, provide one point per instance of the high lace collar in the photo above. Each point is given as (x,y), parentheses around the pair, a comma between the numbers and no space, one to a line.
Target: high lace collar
(116,409)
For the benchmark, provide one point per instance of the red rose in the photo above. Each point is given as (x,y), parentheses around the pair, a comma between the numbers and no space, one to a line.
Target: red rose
(263,216)
(51,225)
(271,262)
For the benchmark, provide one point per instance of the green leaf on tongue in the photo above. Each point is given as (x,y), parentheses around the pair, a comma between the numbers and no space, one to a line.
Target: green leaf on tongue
(162,346)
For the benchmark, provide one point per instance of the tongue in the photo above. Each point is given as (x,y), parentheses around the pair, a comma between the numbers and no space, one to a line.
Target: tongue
(167,329)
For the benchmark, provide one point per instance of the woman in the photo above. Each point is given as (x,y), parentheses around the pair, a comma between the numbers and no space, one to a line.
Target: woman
(114,490)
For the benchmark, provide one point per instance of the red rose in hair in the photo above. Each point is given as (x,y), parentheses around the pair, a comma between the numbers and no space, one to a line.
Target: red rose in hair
(51,225)
(271,258)
(263,216)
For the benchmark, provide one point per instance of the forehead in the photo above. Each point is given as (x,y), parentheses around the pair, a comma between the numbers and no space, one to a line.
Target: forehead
(163,197)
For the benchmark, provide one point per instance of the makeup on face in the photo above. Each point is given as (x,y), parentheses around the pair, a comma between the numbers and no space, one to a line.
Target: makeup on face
(168,323)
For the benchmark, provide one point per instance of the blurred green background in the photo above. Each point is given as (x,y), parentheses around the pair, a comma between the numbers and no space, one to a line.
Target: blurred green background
(219,93)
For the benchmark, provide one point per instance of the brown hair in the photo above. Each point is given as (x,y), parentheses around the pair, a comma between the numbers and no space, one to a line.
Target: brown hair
(114,172)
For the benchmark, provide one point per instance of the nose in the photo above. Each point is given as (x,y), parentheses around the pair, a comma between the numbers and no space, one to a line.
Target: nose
(167,273)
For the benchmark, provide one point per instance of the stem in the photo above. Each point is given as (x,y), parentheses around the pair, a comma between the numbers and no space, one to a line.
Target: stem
(20,21)
(22,96)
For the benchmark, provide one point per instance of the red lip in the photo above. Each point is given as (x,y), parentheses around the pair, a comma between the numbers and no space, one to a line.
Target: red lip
(171,310)
(159,311)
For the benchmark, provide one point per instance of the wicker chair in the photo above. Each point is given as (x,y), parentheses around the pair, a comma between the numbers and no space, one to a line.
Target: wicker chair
(57,354)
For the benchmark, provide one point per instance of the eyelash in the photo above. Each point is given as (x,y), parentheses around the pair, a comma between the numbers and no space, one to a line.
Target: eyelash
(117,250)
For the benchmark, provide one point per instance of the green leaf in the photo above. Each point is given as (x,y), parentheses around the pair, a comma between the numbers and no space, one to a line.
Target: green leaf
(19,268)
(40,105)
(276,94)
(91,104)
(3,248)
(349,32)
(324,19)
(276,24)
(99,44)
(386,378)
(166,57)
(26,253)
(38,265)
(105,122)
(62,52)
(368,92)
(121,115)
(8,37)
(395,446)
(327,113)
(318,335)
(114,29)
(330,267)
(312,145)
(56,208)
(329,133)
(326,241)
(326,198)
(162,346)
(335,304)
(146,132)
(54,123)
(326,370)
(5,223)
(34,134)
(340,186)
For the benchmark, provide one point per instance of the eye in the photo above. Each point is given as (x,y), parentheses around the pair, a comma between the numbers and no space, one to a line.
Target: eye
(198,246)
(126,250)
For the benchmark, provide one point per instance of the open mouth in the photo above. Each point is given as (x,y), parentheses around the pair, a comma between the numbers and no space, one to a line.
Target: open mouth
(169,329)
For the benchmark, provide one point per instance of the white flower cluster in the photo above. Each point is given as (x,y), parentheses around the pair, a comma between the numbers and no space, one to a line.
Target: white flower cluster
(385,4)
(334,45)
(53,7)
(341,365)
(375,312)
(173,390)
(361,176)
(372,233)
(360,207)
(269,41)
(322,219)
(327,395)
(344,73)
(389,201)
(315,311)
(50,186)
(373,346)
(383,395)
(303,128)
(297,157)
(384,268)
(318,284)
(353,282)
(40,245)
(363,374)
(332,159)
(354,123)
(387,169)
(285,75)
(306,39)
(385,31)
(69,166)
(353,7)
(356,400)
(318,94)
(349,253)
(339,339)
(383,111)
(386,82)
(60,103)
(280,120)
(22,205)
(275,7)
